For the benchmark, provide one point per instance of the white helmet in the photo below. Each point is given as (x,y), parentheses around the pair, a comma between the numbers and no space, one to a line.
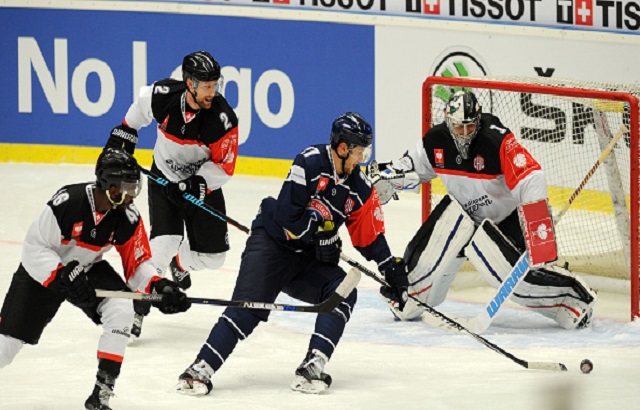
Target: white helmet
(462,114)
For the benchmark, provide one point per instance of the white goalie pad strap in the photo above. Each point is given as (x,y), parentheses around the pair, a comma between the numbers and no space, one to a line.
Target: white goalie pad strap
(558,294)
(432,254)
(491,253)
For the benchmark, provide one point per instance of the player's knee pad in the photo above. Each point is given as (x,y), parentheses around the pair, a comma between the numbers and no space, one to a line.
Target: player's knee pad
(117,318)
(163,248)
(558,294)
(491,253)
(9,348)
(432,256)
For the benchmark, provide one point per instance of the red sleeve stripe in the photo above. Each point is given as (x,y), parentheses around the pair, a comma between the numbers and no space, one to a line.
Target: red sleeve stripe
(52,276)
(516,162)
(471,175)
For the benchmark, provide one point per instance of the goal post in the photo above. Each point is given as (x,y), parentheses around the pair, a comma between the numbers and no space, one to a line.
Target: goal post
(565,124)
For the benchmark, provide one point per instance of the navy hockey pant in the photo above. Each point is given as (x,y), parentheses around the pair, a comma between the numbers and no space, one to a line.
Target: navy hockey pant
(267,269)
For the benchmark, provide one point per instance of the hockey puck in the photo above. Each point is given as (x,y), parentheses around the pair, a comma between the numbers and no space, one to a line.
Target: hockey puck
(586,366)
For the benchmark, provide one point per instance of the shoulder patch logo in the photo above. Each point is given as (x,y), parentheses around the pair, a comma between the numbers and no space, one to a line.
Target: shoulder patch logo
(520,160)
(322,183)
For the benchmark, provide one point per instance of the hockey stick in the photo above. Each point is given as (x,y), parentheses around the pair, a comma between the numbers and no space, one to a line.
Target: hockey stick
(452,323)
(341,293)
(483,320)
(200,204)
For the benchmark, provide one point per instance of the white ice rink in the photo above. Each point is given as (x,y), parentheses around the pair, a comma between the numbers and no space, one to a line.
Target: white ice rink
(380,364)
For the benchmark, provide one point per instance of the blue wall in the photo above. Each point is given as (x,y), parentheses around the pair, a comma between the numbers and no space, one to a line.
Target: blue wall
(330,66)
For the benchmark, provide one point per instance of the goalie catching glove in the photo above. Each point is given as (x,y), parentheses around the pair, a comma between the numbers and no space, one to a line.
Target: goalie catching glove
(390,177)
(173,301)
(124,138)
(395,273)
(194,185)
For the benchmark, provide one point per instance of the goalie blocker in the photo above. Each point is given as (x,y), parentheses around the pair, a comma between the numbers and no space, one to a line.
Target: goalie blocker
(552,291)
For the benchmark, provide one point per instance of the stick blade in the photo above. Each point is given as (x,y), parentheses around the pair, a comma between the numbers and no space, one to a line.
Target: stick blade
(556,367)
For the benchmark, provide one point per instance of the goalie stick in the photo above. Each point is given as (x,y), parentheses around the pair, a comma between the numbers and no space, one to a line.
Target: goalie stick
(452,323)
(343,290)
(481,322)
(195,201)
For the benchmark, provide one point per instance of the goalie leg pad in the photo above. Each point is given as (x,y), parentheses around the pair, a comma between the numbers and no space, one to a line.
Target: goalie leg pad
(491,253)
(432,256)
(552,291)
(558,294)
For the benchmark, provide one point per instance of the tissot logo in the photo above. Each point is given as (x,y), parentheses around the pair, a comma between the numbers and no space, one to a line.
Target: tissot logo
(564,11)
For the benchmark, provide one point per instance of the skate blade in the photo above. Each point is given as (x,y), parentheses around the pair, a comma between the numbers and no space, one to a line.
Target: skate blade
(309,387)
(191,388)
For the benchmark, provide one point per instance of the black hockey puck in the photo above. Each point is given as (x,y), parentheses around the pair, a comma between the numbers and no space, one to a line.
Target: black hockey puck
(586,366)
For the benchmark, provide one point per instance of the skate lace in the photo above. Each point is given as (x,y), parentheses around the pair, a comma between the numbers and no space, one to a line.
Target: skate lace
(105,393)
(314,366)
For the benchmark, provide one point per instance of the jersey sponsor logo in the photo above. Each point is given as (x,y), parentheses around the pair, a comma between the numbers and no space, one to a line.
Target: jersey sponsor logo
(322,183)
(319,211)
(478,163)
(439,157)
(473,205)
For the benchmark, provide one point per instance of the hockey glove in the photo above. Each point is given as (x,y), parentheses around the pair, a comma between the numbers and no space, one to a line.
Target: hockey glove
(194,185)
(173,301)
(124,138)
(390,177)
(72,281)
(395,273)
(328,246)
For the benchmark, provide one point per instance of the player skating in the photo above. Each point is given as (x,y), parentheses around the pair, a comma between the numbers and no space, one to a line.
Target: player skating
(195,150)
(62,260)
(294,248)
(488,176)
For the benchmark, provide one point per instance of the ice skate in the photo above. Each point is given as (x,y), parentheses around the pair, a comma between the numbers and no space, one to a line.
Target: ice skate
(196,380)
(310,377)
(102,392)
(180,276)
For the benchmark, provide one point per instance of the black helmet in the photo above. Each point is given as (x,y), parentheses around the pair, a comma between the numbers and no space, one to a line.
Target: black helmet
(351,128)
(200,66)
(119,168)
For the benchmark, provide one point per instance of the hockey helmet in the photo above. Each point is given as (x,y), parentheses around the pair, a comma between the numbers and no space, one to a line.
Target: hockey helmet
(200,66)
(353,129)
(119,168)
(462,114)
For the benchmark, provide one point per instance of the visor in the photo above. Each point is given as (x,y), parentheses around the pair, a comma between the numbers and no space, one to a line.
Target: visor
(131,188)
(363,154)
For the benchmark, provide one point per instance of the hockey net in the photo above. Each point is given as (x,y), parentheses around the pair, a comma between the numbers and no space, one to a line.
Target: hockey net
(566,124)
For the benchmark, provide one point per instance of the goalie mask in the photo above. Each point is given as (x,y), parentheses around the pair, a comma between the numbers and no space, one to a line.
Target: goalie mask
(462,114)
(353,129)
(117,168)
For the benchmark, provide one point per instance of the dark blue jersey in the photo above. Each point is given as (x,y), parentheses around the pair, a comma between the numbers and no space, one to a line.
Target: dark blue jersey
(313,194)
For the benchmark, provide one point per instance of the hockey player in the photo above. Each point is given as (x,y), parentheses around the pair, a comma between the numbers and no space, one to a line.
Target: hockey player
(294,248)
(196,150)
(62,260)
(488,176)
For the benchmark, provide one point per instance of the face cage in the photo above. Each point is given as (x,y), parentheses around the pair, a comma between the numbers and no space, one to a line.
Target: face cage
(463,141)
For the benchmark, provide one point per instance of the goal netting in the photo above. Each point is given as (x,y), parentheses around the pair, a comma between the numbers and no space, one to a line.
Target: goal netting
(566,124)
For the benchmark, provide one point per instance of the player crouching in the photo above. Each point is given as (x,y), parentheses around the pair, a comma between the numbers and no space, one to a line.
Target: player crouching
(62,260)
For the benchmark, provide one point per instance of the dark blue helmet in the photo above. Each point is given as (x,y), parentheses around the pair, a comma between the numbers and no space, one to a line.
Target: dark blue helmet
(200,66)
(351,128)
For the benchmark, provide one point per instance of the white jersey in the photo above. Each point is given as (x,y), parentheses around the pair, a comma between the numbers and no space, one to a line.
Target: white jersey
(203,142)
(499,174)
(69,228)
